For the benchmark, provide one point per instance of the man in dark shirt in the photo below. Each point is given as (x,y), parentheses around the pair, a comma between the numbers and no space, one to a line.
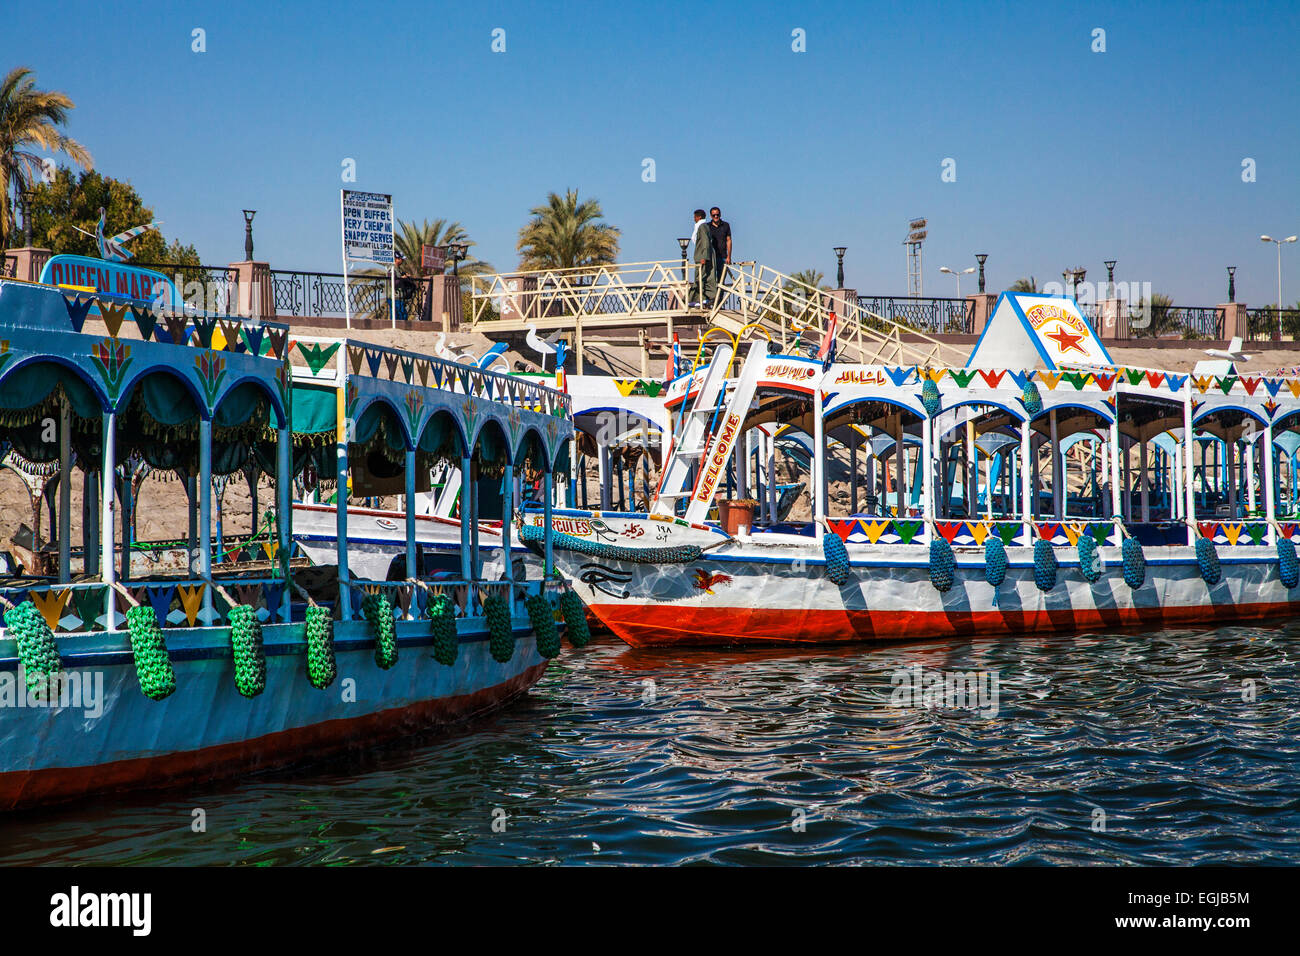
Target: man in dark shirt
(720,237)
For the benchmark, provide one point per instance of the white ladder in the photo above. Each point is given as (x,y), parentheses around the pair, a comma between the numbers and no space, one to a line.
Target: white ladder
(721,444)
(691,435)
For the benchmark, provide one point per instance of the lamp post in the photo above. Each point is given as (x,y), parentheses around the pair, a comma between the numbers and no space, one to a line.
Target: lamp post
(248,234)
(980,257)
(839,274)
(1278,243)
(27,218)
(457,251)
(1110,277)
(957,276)
(684,243)
(1232,283)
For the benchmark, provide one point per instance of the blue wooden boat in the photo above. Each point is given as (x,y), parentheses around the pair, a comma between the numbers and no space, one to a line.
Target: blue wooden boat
(103,385)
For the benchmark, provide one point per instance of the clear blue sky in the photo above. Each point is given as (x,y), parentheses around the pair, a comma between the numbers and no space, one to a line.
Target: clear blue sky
(1063,156)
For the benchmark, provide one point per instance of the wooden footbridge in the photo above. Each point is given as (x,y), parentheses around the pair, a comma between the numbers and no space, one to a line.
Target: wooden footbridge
(752,301)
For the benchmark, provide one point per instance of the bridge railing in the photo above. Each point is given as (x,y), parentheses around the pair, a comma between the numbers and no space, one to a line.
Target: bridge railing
(633,289)
(792,311)
(750,294)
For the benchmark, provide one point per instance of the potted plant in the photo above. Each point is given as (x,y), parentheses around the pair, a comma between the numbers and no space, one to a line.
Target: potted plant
(737,514)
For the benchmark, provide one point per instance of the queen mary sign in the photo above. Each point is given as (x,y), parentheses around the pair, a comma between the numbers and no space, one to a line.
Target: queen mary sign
(116,279)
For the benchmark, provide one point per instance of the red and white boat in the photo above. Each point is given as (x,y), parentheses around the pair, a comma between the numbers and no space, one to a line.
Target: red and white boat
(1041,487)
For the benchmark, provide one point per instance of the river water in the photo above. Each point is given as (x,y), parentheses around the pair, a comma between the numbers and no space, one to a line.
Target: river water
(1171,747)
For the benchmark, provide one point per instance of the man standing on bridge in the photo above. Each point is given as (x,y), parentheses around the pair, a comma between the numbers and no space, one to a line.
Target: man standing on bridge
(720,233)
(705,270)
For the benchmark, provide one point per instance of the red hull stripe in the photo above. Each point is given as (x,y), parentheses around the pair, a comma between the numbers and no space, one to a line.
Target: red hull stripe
(40,787)
(646,625)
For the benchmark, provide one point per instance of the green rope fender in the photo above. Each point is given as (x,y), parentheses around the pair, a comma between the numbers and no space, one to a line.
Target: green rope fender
(943,564)
(930,397)
(542,617)
(321,666)
(36,648)
(153,666)
(1031,399)
(674,554)
(497,613)
(378,612)
(246,648)
(1045,565)
(995,560)
(1089,561)
(837,558)
(1135,563)
(1207,559)
(446,644)
(1288,567)
(575,619)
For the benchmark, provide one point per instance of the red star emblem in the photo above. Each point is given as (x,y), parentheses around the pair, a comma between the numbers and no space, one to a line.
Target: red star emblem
(1066,340)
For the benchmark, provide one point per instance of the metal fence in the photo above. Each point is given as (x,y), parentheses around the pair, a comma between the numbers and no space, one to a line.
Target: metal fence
(210,289)
(327,294)
(9,268)
(935,316)
(1263,324)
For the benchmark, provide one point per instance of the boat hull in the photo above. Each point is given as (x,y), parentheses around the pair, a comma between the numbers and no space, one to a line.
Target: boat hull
(749,597)
(117,739)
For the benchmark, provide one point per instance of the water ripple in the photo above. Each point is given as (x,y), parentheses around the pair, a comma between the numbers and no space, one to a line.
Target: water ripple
(1179,746)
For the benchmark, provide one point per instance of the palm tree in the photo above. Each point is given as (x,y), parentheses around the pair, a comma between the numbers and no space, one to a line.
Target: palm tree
(408,241)
(410,238)
(566,234)
(30,118)
(1024,285)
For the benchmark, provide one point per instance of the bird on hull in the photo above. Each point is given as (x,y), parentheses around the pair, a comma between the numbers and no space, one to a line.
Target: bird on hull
(113,248)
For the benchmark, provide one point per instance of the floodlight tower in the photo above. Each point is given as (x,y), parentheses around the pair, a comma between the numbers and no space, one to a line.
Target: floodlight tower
(915,236)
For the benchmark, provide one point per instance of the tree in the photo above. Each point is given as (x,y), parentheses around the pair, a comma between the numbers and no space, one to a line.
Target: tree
(806,277)
(1025,285)
(566,234)
(68,203)
(1158,312)
(30,118)
(408,242)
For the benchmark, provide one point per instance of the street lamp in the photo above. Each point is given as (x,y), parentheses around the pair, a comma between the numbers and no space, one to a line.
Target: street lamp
(1110,277)
(839,275)
(1278,243)
(957,275)
(248,234)
(980,257)
(457,251)
(684,243)
(1232,283)
(27,218)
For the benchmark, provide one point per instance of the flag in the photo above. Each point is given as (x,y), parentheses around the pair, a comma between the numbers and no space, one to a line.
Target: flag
(674,360)
(827,352)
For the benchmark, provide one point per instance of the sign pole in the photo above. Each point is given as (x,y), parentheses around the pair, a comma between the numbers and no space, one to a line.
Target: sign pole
(347,303)
(392,292)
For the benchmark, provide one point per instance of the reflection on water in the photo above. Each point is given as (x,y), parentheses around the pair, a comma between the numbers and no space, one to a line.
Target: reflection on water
(1126,748)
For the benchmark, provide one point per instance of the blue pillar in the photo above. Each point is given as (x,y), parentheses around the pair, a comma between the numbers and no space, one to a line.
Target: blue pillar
(341,512)
(466,520)
(412,571)
(205,516)
(284,512)
(549,494)
(507,516)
